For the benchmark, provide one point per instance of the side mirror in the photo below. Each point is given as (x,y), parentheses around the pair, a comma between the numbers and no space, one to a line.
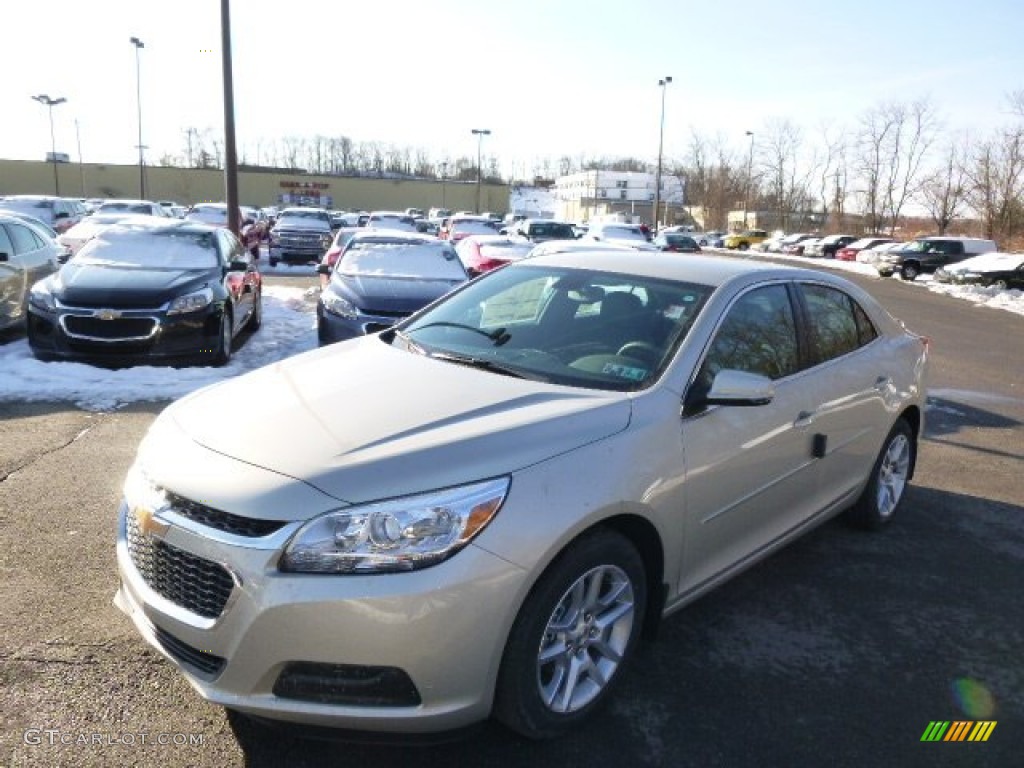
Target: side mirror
(238,265)
(730,388)
(61,215)
(323,269)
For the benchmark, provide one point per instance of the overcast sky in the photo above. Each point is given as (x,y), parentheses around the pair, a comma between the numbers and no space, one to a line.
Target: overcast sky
(548,78)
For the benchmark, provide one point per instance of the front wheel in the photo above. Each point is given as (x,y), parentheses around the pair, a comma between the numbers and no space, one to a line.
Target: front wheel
(222,355)
(889,477)
(256,318)
(573,634)
(744,246)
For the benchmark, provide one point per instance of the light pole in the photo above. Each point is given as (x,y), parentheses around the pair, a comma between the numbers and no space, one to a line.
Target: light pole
(750,165)
(661,135)
(444,185)
(42,98)
(479,133)
(138,101)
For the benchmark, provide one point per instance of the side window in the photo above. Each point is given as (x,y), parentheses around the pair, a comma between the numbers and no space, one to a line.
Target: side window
(758,335)
(6,246)
(22,239)
(838,324)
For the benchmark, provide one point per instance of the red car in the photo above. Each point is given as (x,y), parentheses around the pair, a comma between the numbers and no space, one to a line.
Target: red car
(849,253)
(341,238)
(480,253)
(459,227)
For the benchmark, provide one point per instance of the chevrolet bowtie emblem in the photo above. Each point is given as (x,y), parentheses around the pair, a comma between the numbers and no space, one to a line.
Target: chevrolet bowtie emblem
(106,314)
(148,523)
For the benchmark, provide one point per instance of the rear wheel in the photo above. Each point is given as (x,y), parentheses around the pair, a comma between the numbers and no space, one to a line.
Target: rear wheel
(744,246)
(574,632)
(1000,284)
(910,271)
(256,318)
(889,477)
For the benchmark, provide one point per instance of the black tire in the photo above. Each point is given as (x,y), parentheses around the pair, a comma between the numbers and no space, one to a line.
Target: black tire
(1000,284)
(744,246)
(273,262)
(910,271)
(556,630)
(889,478)
(256,318)
(225,338)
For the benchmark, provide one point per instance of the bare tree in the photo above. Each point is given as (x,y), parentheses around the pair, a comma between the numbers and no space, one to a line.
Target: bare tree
(944,192)
(788,181)
(996,174)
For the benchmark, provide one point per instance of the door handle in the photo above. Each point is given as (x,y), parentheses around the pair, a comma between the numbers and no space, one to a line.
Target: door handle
(804,419)
(882,383)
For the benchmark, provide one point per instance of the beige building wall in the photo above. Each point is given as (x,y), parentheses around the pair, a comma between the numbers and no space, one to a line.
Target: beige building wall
(257,188)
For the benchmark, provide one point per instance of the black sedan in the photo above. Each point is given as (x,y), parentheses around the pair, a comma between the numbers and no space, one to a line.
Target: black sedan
(678,243)
(999,270)
(179,291)
(383,277)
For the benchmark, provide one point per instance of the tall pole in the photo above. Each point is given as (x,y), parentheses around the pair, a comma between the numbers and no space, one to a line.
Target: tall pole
(81,169)
(230,153)
(138,101)
(479,133)
(661,135)
(444,185)
(46,101)
(750,166)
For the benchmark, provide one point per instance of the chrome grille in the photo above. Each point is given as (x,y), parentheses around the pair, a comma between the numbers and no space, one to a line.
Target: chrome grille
(133,328)
(194,583)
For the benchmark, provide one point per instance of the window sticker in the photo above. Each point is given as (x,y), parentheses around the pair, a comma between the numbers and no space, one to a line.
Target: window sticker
(624,371)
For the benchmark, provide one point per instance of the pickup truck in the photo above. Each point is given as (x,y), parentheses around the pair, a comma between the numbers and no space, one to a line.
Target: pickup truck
(927,254)
(300,235)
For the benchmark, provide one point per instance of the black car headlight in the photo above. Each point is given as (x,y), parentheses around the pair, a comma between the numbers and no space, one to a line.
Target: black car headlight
(191,302)
(338,305)
(41,297)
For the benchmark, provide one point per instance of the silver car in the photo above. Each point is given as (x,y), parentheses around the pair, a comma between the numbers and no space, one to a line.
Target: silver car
(481,510)
(27,254)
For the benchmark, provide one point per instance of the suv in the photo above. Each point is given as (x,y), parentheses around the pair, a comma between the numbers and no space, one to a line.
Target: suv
(58,213)
(744,240)
(926,254)
(541,230)
(300,235)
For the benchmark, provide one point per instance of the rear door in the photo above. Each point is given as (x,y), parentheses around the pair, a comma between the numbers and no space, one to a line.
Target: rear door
(13,282)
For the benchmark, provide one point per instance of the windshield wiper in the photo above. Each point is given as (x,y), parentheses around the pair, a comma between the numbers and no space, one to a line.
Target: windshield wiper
(499,335)
(411,345)
(487,365)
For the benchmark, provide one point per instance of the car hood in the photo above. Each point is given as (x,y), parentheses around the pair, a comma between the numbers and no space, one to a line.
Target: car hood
(391,294)
(362,420)
(95,284)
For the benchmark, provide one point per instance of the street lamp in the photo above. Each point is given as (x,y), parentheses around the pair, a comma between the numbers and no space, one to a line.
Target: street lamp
(444,185)
(661,135)
(750,165)
(479,133)
(42,98)
(138,100)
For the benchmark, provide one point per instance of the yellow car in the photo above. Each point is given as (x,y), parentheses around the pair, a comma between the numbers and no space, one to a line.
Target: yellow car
(744,240)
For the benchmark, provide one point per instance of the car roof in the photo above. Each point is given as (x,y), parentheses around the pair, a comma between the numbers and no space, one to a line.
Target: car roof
(184,226)
(705,270)
(373,235)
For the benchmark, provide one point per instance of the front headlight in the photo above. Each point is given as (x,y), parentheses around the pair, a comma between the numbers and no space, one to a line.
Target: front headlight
(141,494)
(397,535)
(191,302)
(325,241)
(275,236)
(41,297)
(339,306)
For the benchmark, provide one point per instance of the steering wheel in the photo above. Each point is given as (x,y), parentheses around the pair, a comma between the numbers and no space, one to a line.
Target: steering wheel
(642,351)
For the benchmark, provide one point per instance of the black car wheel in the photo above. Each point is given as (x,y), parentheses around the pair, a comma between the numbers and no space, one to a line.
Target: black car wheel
(744,246)
(222,355)
(573,634)
(889,477)
(910,270)
(256,318)
(273,262)
(1001,284)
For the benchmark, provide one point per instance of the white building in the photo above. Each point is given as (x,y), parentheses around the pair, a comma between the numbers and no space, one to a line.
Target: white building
(586,195)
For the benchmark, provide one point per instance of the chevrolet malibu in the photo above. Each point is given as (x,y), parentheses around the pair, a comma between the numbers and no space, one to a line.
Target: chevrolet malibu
(145,292)
(482,510)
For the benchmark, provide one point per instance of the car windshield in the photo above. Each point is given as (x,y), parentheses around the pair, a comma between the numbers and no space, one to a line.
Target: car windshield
(171,250)
(309,214)
(574,327)
(125,208)
(400,259)
(26,205)
(472,227)
(623,233)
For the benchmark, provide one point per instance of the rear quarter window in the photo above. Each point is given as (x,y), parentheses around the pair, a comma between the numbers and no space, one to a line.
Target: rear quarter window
(838,324)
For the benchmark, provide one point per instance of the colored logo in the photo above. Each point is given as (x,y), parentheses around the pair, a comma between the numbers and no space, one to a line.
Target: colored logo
(958,730)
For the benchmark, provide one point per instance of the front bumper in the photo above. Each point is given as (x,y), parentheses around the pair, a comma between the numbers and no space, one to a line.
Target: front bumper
(136,334)
(444,627)
(331,328)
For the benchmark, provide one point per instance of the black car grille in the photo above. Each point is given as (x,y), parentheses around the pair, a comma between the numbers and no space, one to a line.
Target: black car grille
(121,328)
(222,521)
(205,662)
(194,583)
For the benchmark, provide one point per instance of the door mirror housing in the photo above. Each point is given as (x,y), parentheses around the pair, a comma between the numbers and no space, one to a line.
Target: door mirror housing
(740,388)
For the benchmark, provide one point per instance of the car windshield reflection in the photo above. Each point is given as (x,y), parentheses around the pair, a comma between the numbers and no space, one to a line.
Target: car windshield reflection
(573,327)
